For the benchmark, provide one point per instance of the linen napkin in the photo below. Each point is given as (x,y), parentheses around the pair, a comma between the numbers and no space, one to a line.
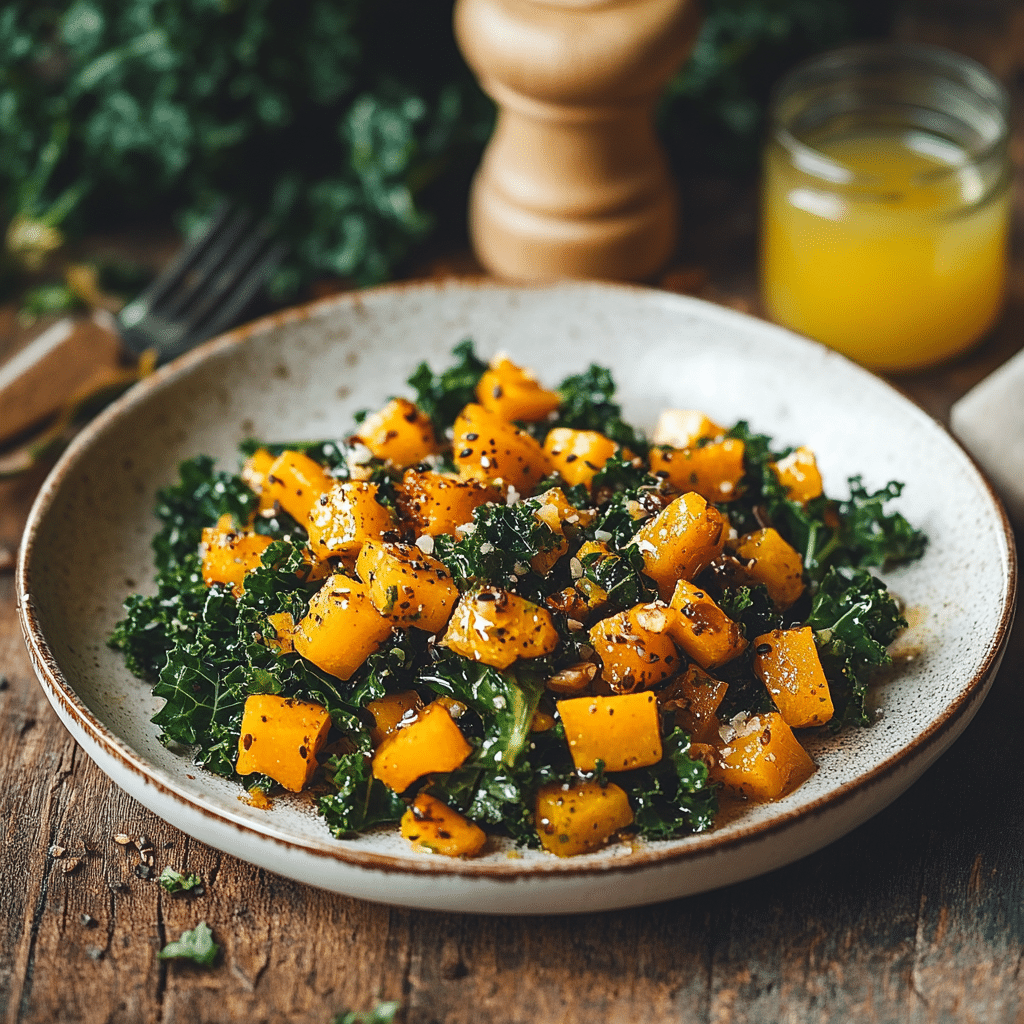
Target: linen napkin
(989,422)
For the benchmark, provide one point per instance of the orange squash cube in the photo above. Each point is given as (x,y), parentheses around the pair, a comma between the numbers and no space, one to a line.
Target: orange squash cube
(407,586)
(580,817)
(433,827)
(513,393)
(431,743)
(283,626)
(496,627)
(281,737)
(439,503)
(702,629)
(578,454)
(635,648)
(228,554)
(399,433)
(798,473)
(346,516)
(695,698)
(713,471)
(762,760)
(488,448)
(773,562)
(296,482)
(623,731)
(787,662)
(255,472)
(342,628)
(683,428)
(680,541)
(389,711)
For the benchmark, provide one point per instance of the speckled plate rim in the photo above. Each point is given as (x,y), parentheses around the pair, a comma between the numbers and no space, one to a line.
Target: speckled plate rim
(155,789)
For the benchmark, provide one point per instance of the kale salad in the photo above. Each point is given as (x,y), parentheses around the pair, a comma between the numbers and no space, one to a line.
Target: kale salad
(499,609)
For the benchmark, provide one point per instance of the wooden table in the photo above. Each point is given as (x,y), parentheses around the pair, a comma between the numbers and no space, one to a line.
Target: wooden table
(916,916)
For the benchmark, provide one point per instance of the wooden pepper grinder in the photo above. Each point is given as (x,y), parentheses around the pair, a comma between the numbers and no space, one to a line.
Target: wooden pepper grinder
(574,182)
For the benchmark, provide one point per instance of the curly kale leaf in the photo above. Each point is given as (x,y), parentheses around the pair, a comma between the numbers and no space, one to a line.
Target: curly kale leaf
(621,576)
(442,396)
(674,796)
(504,702)
(854,619)
(858,532)
(587,405)
(152,625)
(752,607)
(360,800)
(499,548)
(200,497)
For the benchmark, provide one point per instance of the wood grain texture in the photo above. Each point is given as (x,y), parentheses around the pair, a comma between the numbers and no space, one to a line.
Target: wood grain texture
(917,916)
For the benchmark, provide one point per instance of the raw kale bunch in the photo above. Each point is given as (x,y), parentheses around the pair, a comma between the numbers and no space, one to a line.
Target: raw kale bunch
(350,123)
(205,648)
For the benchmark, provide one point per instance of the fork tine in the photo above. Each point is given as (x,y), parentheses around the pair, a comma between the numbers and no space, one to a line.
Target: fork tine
(232,290)
(221,247)
(183,261)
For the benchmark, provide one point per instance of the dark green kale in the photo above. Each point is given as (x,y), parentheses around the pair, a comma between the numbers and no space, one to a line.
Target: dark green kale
(621,575)
(751,607)
(498,549)
(587,405)
(202,495)
(854,618)
(196,945)
(503,702)
(178,884)
(857,533)
(442,396)
(360,800)
(674,796)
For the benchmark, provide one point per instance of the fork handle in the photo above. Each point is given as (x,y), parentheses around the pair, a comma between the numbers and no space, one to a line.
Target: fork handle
(40,380)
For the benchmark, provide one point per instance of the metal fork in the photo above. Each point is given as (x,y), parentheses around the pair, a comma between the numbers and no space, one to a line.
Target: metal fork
(202,292)
(204,289)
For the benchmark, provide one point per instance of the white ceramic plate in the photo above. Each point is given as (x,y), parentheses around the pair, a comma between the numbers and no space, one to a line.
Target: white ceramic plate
(302,374)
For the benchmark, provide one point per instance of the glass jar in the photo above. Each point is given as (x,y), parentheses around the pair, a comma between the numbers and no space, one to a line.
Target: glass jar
(886,203)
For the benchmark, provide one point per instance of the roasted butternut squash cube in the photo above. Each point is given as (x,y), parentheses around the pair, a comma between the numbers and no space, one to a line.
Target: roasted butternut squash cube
(255,472)
(762,759)
(552,508)
(407,586)
(580,817)
(280,738)
(295,482)
(399,433)
(768,559)
(702,629)
(439,503)
(432,742)
(496,627)
(488,448)
(342,628)
(433,827)
(683,428)
(513,393)
(390,711)
(596,596)
(228,554)
(695,698)
(635,648)
(798,473)
(283,626)
(578,454)
(346,516)
(714,470)
(623,731)
(787,662)
(680,541)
